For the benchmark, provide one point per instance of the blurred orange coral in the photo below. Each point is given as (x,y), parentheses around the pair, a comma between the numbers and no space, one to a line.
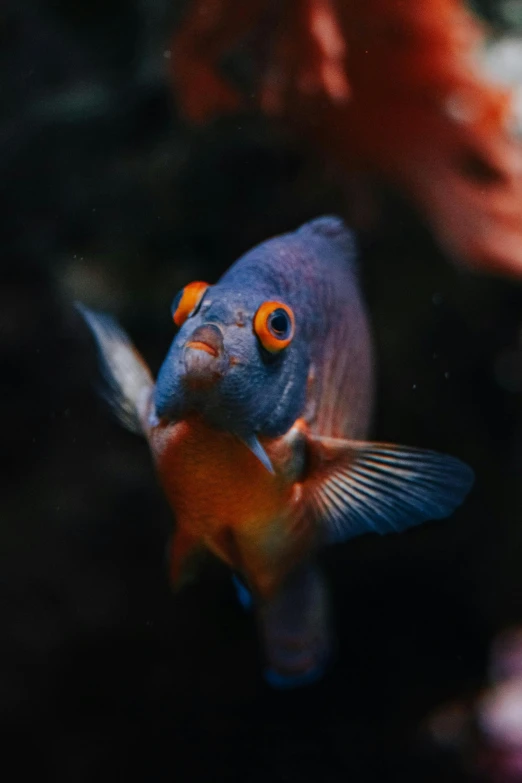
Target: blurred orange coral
(392,86)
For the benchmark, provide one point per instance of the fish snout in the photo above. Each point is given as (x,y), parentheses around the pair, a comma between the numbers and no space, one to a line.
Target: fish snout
(205,356)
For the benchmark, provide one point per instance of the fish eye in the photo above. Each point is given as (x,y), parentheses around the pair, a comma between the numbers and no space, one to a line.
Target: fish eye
(274,325)
(187,301)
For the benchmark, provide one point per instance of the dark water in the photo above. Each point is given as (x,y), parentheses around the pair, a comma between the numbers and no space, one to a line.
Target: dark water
(108,197)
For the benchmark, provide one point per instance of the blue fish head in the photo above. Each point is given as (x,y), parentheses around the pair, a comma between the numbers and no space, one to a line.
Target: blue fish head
(217,365)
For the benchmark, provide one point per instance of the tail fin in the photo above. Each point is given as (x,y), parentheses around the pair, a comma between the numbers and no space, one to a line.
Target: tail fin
(295,627)
(128,381)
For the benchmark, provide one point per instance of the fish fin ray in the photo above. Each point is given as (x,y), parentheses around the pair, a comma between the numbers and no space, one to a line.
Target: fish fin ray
(127,382)
(252,442)
(357,487)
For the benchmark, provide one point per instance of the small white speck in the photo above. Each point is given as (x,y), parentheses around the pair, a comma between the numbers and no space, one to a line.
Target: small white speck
(414,386)
(167,54)
(446,375)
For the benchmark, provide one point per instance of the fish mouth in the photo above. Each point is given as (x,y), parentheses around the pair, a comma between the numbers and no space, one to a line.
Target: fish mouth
(205,357)
(208,338)
(200,345)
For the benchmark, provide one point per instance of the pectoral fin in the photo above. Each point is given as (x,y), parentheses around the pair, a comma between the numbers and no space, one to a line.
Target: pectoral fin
(355,487)
(128,382)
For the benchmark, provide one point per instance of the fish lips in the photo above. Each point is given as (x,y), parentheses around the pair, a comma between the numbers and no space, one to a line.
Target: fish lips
(205,360)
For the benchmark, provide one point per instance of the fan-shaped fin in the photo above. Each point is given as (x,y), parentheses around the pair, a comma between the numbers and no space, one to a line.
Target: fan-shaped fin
(356,487)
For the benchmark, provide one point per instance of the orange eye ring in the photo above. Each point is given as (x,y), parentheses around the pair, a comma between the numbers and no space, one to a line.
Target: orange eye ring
(274,324)
(187,301)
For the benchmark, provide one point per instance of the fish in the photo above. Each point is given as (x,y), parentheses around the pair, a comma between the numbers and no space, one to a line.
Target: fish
(257,424)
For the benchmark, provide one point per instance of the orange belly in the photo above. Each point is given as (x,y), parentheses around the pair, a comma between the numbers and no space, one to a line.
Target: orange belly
(224,498)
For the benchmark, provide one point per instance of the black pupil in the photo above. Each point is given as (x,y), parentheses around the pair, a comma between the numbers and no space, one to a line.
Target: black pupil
(279,323)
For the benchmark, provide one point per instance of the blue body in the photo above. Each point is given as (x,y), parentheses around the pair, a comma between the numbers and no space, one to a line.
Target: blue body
(313,271)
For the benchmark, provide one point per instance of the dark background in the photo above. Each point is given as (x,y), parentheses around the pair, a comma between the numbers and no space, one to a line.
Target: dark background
(108,197)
